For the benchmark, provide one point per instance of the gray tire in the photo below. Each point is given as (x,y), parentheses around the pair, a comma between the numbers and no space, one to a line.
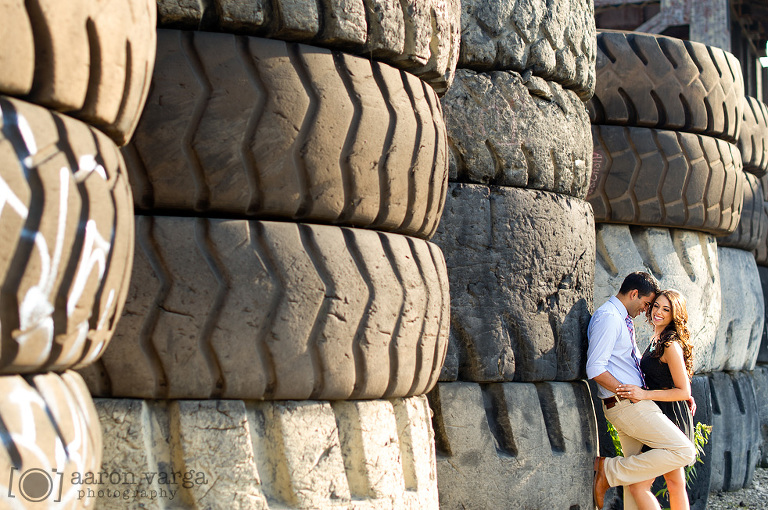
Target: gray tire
(243,126)
(661,82)
(762,353)
(665,178)
(680,259)
(250,454)
(735,431)
(272,310)
(50,437)
(761,252)
(554,40)
(509,130)
(91,59)
(742,315)
(753,137)
(66,239)
(420,36)
(761,389)
(753,223)
(534,434)
(520,266)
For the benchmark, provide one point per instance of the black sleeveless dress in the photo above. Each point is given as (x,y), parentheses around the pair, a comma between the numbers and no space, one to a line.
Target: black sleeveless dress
(658,377)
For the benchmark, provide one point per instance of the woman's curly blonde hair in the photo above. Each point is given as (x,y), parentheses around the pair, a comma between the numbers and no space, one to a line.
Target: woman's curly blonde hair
(676,330)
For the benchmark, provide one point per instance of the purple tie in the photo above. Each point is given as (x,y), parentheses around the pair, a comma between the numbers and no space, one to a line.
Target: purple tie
(631,329)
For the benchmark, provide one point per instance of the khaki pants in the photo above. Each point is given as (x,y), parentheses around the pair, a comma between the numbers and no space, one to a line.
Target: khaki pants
(639,424)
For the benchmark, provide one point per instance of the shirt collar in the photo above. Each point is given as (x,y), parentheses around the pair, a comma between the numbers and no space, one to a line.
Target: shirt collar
(619,306)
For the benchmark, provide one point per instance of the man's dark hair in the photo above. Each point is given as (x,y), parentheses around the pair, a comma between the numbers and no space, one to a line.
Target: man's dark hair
(640,281)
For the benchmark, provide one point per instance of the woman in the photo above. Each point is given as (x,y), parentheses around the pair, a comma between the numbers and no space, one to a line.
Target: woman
(667,366)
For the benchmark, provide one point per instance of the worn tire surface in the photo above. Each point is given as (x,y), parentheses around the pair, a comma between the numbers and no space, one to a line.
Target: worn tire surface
(753,223)
(66,239)
(420,36)
(753,137)
(48,426)
(289,454)
(508,130)
(89,58)
(554,40)
(254,127)
(761,389)
(679,259)
(276,310)
(762,353)
(735,430)
(662,178)
(742,315)
(520,266)
(661,82)
(534,434)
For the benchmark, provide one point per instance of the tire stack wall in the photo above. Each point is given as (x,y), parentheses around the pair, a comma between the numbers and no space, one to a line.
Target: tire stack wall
(74,77)
(518,239)
(675,191)
(287,312)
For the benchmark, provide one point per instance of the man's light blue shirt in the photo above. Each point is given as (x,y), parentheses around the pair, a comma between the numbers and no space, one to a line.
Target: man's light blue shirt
(610,346)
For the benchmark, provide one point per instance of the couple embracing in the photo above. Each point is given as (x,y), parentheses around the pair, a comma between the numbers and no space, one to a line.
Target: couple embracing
(646,398)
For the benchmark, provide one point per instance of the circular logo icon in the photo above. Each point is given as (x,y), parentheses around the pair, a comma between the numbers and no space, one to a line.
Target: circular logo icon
(35,484)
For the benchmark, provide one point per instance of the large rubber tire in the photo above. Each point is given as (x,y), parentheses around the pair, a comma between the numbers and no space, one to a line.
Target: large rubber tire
(735,430)
(661,82)
(761,252)
(761,389)
(680,259)
(762,352)
(272,310)
(420,36)
(507,130)
(248,454)
(521,271)
(742,315)
(753,223)
(254,127)
(543,436)
(66,239)
(753,137)
(651,177)
(554,40)
(89,58)
(50,437)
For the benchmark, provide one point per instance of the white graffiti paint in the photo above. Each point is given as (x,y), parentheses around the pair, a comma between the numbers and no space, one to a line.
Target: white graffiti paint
(36,307)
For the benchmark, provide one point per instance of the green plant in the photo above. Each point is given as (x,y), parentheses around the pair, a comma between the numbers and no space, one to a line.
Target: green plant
(700,438)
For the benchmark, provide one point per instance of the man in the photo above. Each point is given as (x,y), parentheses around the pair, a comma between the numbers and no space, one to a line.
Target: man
(613,359)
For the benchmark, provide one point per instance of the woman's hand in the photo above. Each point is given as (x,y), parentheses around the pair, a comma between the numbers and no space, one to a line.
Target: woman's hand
(632,392)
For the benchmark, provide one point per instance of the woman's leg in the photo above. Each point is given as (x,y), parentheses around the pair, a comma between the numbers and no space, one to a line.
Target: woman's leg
(678,496)
(644,498)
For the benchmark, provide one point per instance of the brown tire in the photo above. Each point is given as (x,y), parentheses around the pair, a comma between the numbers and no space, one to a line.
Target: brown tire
(91,59)
(653,177)
(753,137)
(553,40)
(66,232)
(244,126)
(661,82)
(51,440)
(276,310)
(753,222)
(420,36)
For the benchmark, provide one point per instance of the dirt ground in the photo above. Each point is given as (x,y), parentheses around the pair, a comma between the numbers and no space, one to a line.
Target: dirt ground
(754,497)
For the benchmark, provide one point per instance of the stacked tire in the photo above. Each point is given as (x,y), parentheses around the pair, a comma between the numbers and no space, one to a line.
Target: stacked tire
(287,313)
(675,192)
(518,239)
(74,77)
